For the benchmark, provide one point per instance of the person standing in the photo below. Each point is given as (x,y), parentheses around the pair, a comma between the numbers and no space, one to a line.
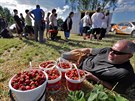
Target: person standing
(38,17)
(105,25)
(55,28)
(67,26)
(96,18)
(23,20)
(53,24)
(51,19)
(28,26)
(86,24)
(47,23)
(18,23)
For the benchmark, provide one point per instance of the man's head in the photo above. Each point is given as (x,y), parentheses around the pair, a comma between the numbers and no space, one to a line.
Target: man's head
(71,14)
(26,11)
(86,13)
(121,52)
(37,6)
(98,9)
(21,14)
(53,11)
(15,11)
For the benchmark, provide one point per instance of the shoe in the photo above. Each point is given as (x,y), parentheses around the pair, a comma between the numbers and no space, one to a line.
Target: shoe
(84,38)
(20,38)
(43,41)
(66,39)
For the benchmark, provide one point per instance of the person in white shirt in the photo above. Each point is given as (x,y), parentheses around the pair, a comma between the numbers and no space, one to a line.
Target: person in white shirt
(97,18)
(105,25)
(28,28)
(53,24)
(52,18)
(47,23)
(86,24)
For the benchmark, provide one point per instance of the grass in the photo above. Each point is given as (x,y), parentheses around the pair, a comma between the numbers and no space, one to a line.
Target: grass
(16,54)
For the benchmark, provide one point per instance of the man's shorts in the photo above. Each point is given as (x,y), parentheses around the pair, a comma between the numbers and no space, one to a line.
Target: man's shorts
(96,30)
(85,29)
(29,29)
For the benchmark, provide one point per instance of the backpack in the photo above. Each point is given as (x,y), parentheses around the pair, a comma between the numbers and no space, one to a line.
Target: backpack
(64,25)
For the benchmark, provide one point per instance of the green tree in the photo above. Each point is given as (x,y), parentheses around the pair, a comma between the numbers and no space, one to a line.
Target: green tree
(6,13)
(84,5)
(71,3)
(90,4)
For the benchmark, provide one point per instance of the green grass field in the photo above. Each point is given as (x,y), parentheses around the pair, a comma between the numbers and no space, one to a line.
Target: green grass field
(16,54)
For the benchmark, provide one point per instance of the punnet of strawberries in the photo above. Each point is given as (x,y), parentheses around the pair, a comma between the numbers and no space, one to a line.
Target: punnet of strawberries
(47,64)
(53,74)
(73,74)
(28,80)
(64,65)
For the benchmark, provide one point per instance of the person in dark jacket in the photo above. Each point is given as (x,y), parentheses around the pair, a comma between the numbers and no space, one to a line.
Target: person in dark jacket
(19,27)
(67,26)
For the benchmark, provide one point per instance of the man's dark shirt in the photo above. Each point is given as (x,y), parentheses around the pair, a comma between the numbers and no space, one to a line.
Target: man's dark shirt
(17,20)
(99,65)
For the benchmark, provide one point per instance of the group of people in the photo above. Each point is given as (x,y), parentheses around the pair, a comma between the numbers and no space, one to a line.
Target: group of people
(96,25)
(40,23)
(24,25)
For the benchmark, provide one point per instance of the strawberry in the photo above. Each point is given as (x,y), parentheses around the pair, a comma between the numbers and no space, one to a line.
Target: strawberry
(28,80)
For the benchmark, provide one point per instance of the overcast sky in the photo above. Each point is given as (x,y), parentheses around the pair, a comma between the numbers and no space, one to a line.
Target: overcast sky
(123,6)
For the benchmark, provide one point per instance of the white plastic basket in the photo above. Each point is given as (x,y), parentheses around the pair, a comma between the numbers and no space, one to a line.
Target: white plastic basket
(45,69)
(29,95)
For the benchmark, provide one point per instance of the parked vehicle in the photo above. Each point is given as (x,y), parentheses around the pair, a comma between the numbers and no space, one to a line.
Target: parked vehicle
(124,28)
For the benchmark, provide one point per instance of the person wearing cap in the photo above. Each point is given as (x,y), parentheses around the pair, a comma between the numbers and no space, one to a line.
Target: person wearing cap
(111,65)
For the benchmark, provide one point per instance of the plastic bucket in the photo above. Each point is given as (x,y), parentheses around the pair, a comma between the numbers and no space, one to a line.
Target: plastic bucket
(73,85)
(47,65)
(54,85)
(29,95)
(64,66)
(68,66)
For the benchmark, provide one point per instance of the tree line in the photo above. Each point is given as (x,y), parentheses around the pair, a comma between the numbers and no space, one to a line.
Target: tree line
(83,5)
(5,12)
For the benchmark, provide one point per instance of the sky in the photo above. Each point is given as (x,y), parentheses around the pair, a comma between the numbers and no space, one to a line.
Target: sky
(125,10)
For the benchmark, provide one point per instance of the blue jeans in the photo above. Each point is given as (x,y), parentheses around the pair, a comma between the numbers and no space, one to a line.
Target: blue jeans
(67,34)
(38,31)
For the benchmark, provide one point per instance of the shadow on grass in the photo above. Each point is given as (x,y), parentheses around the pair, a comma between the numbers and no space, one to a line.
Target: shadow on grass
(79,43)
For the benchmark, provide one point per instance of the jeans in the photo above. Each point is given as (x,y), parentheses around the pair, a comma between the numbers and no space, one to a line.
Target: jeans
(38,31)
(67,34)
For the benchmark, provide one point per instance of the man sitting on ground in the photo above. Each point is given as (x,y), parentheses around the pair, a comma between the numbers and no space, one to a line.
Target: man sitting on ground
(111,65)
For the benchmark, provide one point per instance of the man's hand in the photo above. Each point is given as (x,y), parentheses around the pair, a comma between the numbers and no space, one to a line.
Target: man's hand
(94,78)
(91,76)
